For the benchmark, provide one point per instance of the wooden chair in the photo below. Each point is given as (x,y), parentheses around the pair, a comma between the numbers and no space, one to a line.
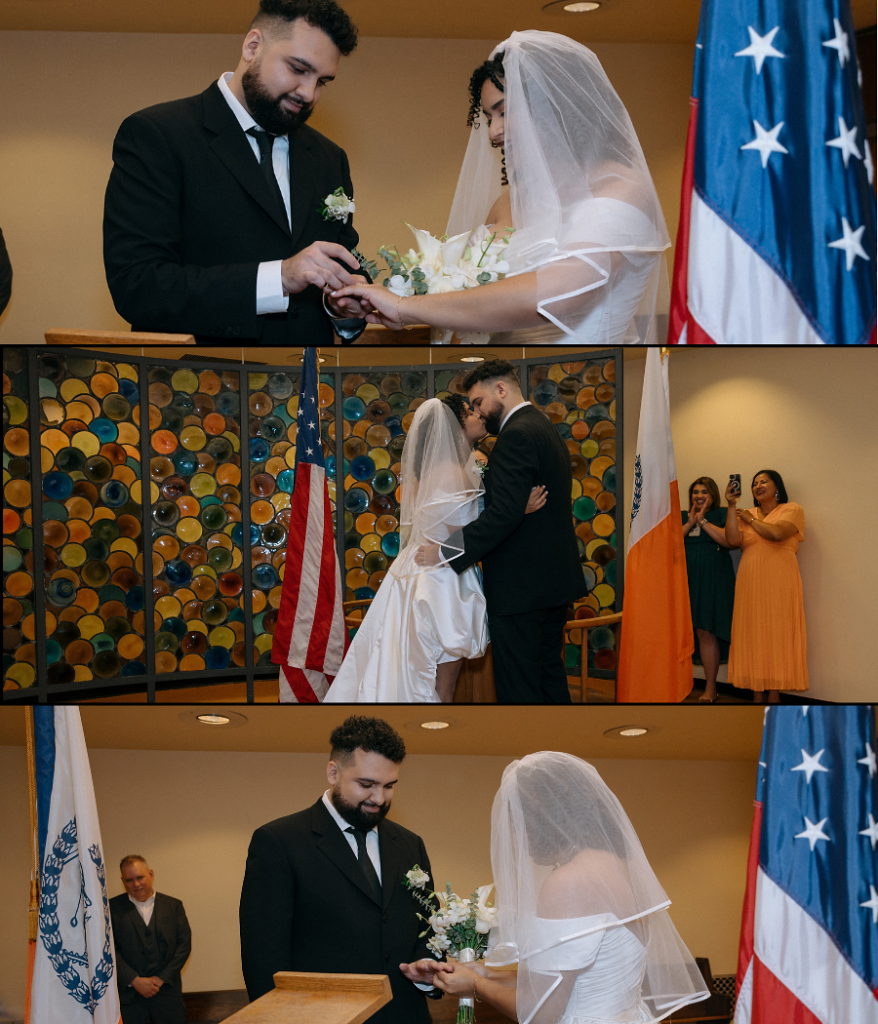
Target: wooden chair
(357,610)
(584,625)
(299,998)
(84,338)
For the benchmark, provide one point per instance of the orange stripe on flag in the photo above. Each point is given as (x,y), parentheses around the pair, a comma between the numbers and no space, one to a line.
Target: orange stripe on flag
(655,657)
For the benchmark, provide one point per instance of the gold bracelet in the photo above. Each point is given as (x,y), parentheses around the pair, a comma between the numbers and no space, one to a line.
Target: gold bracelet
(405,327)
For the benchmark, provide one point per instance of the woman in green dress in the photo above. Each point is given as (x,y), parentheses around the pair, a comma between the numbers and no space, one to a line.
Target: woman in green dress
(711,579)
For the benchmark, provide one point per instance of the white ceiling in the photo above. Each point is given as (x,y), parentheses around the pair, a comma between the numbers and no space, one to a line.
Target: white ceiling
(679,732)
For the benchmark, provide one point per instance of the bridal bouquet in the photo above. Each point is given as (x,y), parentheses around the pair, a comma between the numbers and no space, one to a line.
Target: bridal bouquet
(447,265)
(460,926)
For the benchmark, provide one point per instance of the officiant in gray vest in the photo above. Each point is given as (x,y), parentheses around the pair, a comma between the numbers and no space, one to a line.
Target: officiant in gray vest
(153,940)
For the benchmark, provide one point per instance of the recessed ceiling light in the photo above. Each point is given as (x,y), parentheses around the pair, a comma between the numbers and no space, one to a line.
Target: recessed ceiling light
(320,359)
(472,359)
(435,725)
(626,730)
(199,716)
(571,6)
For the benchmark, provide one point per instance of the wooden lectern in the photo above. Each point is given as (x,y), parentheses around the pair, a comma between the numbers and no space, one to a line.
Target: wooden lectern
(84,338)
(300,998)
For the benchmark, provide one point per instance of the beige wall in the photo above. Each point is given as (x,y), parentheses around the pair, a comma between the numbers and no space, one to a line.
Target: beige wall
(192,815)
(398,108)
(811,415)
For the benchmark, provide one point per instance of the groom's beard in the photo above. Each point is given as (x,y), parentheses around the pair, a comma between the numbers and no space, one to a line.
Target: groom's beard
(353,815)
(266,109)
(494,420)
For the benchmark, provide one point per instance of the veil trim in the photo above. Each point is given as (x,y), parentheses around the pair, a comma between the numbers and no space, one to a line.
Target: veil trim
(579,935)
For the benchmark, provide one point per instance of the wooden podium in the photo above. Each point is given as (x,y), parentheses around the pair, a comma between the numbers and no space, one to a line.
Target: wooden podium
(300,998)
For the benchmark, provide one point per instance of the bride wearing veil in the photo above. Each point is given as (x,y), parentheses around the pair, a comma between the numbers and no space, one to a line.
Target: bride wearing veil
(579,909)
(586,258)
(425,619)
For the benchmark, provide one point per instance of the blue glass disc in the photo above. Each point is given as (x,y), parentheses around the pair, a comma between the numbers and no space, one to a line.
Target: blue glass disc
(133,668)
(60,592)
(362,468)
(178,572)
(265,576)
(130,390)
(353,408)
(217,657)
(286,477)
(259,450)
(356,500)
(114,493)
(57,486)
(185,462)
(105,429)
(390,544)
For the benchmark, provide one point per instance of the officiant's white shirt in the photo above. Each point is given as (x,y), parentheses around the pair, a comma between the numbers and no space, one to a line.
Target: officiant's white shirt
(144,907)
(520,405)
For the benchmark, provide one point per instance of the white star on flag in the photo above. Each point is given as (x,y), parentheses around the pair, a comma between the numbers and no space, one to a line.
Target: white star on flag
(869,760)
(309,451)
(312,425)
(760,47)
(867,161)
(301,412)
(813,832)
(846,142)
(839,42)
(872,903)
(850,243)
(871,831)
(312,398)
(766,142)
(809,765)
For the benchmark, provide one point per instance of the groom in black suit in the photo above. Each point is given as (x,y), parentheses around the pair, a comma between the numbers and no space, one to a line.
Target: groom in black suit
(323,889)
(212,217)
(530,563)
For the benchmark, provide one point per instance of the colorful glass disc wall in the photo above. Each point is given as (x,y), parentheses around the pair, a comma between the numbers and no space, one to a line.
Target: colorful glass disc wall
(214,553)
(19,650)
(195,508)
(378,410)
(273,404)
(91,518)
(580,399)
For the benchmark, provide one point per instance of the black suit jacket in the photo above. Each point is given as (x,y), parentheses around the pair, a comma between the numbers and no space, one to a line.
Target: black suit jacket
(189,216)
(172,933)
(528,561)
(306,907)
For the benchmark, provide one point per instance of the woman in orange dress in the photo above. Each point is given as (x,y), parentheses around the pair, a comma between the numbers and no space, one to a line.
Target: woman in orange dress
(768,649)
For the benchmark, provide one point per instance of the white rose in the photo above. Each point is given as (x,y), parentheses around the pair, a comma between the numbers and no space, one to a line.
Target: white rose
(418,878)
(398,285)
(440,285)
(502,267)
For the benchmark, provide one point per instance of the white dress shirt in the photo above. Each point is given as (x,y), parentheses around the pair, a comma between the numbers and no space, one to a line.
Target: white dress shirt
(372,847)
(520,405)
(270,296)
(144,908)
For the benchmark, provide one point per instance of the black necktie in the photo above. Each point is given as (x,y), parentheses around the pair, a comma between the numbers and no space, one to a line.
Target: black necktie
(365,862)
(266,145)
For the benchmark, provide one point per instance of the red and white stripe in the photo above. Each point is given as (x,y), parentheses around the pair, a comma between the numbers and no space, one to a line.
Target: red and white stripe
(724,292)
(310,638)
(789,968)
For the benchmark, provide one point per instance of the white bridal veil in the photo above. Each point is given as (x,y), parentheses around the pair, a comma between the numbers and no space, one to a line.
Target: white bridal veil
(439,491)
(571,875)
(585,210)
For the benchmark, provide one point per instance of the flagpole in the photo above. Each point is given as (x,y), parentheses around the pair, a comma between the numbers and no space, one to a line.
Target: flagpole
(33,910)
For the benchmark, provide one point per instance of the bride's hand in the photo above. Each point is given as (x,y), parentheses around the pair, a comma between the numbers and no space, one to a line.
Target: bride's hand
(380,303)
(428,554)
(456,979)
(537,499)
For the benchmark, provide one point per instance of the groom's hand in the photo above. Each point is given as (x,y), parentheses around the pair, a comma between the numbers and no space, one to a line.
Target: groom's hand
(421,972)
(428,554)
(318,265)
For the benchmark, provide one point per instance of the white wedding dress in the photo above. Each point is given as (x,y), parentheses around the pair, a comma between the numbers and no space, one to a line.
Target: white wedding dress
(418,620)
(609,965)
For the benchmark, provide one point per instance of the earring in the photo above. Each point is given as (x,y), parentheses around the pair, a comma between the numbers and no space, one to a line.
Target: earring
(776,495)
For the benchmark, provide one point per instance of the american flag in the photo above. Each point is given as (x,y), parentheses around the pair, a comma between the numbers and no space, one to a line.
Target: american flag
(809,937)
(310,639)
(776,243)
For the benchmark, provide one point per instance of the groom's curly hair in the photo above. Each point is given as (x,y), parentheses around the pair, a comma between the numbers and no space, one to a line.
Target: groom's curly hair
(491,369)
(368,734)
(323,14)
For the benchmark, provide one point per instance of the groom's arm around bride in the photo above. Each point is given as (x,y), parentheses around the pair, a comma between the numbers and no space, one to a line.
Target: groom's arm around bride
(317,897)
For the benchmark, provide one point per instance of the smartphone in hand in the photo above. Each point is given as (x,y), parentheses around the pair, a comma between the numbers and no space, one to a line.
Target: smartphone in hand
(735,482)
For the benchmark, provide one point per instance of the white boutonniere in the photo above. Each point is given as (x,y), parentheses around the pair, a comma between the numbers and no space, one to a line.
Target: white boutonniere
(417,878)
(337,206)
(481,467)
